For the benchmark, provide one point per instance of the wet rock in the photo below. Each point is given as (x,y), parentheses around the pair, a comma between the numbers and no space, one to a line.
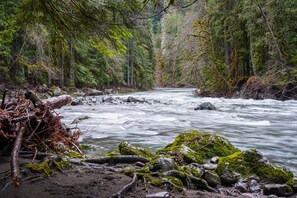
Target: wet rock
(94,92)
(163,164)
(229,177)
(203,146)
(210,166)
(135,100)
(206,106)
(277,189)
(127,149)
(251,162)
(158,195)
(253,186)
(107,99)
(214,160)
(272,196)
(242,187)
(77,102)
(212,178)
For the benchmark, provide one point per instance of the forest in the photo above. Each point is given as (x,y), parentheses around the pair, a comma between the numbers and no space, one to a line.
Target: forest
(214,45)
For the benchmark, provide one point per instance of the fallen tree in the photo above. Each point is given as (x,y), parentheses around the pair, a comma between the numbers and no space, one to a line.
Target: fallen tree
(28,123)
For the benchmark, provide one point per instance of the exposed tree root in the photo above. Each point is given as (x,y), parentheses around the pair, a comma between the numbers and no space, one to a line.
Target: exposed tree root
(129,186)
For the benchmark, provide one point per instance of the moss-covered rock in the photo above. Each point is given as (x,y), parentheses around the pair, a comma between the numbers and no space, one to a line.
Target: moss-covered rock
(251,162)
(196,146)
(127,149)
(293,184)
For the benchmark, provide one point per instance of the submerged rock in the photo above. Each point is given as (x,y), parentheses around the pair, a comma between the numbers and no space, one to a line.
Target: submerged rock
(195,146)
(277,189)
(205,106)
(251,162)
(127,149)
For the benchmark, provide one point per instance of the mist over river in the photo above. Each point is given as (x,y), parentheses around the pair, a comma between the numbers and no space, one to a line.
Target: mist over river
(267,125)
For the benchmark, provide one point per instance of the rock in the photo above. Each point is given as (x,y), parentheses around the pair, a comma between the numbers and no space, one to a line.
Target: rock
(229,177)
(135,100)
(57,91)
(293,184)
(251,162)
(277,189)
(78,94)
(205,106)
(212,179)
(107,99)
(210,166)
(214,160)
(108,91)
(253,186)
(77,102)
(201,146)
(158,195)
(162,164)
(127,149)
(193,170)
(94,92)
(242,187)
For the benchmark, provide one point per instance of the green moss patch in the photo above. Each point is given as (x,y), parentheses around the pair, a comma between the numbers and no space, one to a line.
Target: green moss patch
(127,149)
(251,162)
(196,146)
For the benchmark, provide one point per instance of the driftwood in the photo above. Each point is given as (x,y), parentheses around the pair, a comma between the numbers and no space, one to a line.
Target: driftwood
(129,186)
(29,124)
(15,170)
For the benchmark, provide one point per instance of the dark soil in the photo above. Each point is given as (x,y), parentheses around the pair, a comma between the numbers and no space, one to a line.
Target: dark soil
(84,182)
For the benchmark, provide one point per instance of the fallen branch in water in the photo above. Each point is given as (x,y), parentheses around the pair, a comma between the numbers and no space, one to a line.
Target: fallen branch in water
(126,188)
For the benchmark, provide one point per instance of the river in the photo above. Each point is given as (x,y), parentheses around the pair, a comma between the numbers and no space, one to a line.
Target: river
(267,125)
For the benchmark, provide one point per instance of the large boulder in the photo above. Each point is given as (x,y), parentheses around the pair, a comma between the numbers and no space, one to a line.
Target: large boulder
(252,162)
(196,146)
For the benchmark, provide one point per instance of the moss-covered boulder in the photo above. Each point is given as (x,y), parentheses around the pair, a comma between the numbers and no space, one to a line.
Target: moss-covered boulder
(251,162)
(196,146)
(127,149)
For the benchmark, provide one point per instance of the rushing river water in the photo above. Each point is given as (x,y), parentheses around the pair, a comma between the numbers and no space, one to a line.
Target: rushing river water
(267,125)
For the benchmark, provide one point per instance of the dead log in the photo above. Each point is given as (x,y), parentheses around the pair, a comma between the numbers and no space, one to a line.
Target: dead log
(58,102)
(15,169)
